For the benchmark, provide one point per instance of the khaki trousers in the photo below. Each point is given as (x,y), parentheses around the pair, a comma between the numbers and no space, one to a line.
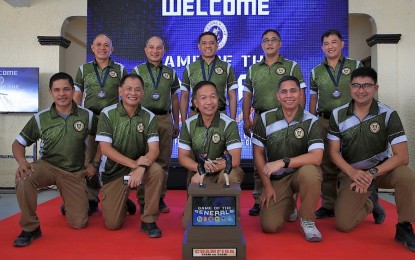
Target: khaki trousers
(257,179)
(352,208)
(92,146)
(306,181)
(165,131)
(115,195)
(330,171)
(71,186)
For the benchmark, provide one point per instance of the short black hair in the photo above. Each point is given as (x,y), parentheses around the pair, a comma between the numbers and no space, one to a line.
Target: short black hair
(61,75)
(331,32)
(271,30)
(201,84)
(132,76)
(287,78)
(208,33)
(365,72)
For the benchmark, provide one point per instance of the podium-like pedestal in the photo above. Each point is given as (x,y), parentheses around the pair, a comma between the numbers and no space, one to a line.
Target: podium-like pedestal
(214,231)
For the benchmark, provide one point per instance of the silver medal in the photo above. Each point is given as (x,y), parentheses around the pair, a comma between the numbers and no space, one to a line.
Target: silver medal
(155,96)
(336,94)
(101,94)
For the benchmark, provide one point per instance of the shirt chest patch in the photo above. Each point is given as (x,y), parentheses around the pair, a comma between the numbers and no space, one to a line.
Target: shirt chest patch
(78,126)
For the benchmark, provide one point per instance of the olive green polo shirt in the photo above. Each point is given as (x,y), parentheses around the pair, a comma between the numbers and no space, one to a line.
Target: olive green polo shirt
(364,144)
(222,74)
(262,81)
(129,136)
(62,139)
(87,82)
(166,87)
(282,139)
(323,86)
(222,135)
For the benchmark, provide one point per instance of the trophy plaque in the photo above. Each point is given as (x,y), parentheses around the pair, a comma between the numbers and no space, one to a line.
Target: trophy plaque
(214,231)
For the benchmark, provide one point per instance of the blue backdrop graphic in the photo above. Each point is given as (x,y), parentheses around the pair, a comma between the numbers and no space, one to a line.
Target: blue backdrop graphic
(19,90)
(179,22)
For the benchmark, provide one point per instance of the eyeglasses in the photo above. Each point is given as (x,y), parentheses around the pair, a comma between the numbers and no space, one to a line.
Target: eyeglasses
(273,40)
(364,85)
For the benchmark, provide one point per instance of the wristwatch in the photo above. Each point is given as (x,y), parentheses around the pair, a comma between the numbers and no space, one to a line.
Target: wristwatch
(96,164)
(373,170)
(287,161)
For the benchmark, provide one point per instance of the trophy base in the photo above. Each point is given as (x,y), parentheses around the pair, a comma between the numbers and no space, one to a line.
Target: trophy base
(214,250)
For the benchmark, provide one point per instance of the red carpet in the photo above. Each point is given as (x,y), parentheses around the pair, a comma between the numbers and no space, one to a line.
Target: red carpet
(368,241)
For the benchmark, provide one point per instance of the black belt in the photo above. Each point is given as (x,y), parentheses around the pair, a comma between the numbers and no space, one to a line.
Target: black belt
(160,112)
(325,115)
(219,108)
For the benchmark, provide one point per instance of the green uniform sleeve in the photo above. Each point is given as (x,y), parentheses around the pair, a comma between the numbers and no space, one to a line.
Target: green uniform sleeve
(104,127)
(315,135)
(334,127)
(175,85)
(231,80)
(232,134)
(258,131)
(185,79)
(185,137)
(152,129)
(93,130)
(395,128)
(313,85)
(30,132)
(123,73)
(248,80)
(297,73)
(79,79)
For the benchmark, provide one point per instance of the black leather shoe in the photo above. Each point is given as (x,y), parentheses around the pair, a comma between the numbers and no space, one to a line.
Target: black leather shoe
(405,235)
(255,210)
(151,229)
(324,213)
(141,208)
(378,212)
(131,208)
(93,206)
(63,209)
(26,238)
(163,208)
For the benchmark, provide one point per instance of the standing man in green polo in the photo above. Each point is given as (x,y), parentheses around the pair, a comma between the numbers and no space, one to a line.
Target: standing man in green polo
(261,88)
(161,87)
(96,85)
(209,68)
(329,89)
(62,130)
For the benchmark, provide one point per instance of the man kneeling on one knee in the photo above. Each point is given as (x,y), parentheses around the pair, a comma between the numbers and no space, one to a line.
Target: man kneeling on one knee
(288,148)
(128,138)
(368,144)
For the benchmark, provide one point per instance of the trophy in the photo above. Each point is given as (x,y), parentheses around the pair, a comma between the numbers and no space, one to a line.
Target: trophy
(215,210)
(228,158)
(201,169)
